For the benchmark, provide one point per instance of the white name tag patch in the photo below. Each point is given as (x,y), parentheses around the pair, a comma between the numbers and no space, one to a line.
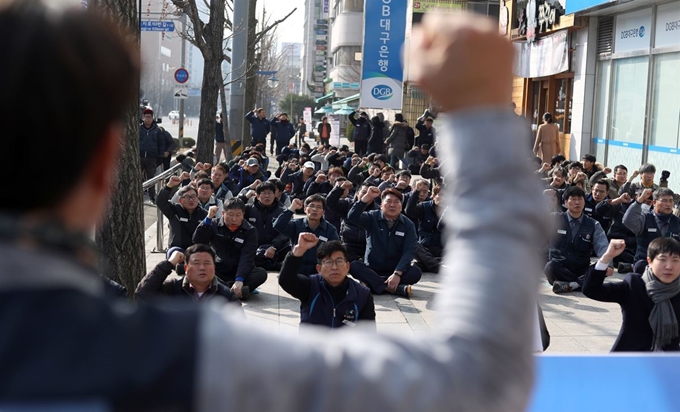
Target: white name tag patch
(562,232)
(183,219)
(323,238)
(588,209)
(651,229)
(252,219)
(399,233)
(238,240)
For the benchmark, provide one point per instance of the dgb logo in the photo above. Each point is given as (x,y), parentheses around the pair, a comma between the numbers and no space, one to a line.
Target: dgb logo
(641,31)
(381,92)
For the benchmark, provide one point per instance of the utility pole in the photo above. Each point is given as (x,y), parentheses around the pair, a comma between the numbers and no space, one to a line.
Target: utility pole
(182,63)
(238,64)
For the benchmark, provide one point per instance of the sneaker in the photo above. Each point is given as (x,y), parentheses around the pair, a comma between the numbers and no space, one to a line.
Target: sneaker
(245,293)
(625,268)
(561,287)
(404,290)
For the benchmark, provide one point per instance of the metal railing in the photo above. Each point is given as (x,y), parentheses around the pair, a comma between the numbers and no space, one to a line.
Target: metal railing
(158,181)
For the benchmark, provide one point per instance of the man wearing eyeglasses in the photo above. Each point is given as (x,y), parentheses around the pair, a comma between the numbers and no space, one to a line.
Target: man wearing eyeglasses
(184,216)
(328,297)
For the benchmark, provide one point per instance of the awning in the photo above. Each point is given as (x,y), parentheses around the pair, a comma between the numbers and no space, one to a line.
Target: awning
(328,96)
(324,110)
(347,99)
(344,111)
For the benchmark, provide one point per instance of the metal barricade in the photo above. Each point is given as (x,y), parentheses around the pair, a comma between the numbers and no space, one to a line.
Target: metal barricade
(158,181)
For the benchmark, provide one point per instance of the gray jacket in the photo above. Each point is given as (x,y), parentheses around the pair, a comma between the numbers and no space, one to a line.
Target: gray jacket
(396,141)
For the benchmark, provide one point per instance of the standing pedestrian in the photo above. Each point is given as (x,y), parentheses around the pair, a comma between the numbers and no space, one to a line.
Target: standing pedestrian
(324,129)
(547,142)
(220,145)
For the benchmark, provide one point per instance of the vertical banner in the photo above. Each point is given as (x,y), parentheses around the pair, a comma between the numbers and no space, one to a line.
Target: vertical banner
(334,139)
(382,72)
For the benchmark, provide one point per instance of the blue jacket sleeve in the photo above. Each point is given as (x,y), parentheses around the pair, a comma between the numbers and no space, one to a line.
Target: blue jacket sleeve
(284,224)
(357,215)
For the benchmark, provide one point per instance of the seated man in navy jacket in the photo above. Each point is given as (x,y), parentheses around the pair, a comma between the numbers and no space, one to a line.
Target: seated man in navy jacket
(648,224)
(313,222)
(199,284)
(577,237)
(390,245)
(329,297)
(235,241)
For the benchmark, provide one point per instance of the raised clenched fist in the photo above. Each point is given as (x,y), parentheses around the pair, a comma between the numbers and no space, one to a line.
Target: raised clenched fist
(372,193)
(321,178)
(296,204)
(347,185)
(174,181)
(185,176)
(176,258)
(212,212)
(461,61)
(307,240)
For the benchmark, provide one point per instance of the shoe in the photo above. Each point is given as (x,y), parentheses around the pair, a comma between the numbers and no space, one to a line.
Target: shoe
(561,287)
(625,268)
(404,290)
(245,293)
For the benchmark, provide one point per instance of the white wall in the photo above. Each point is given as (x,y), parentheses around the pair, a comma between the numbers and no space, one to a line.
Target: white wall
(584,63)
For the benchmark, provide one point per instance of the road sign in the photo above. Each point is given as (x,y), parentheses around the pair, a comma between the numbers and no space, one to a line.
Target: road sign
(157,25)
(181,91)
(181,75)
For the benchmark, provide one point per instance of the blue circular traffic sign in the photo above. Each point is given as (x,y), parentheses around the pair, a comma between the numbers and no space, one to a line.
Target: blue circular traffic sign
(181,75)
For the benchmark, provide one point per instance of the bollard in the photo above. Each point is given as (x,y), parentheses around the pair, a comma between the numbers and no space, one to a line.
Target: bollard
(159,221)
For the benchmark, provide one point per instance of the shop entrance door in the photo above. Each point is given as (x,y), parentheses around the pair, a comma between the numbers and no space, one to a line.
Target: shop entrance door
(540,103)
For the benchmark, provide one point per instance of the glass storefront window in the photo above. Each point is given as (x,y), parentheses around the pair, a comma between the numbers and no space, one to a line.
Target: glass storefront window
(629,94)
(563,100)
(665,118)
(602,100)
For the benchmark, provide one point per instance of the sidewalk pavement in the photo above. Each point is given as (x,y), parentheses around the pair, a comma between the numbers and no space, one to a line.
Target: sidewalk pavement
(576,324)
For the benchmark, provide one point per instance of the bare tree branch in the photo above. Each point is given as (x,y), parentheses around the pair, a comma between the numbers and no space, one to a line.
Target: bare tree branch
(259,35)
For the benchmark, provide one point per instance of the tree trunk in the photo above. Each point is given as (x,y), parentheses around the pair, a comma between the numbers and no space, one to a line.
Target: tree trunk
(212,82)
(213,34)
(251,84)
(120,237)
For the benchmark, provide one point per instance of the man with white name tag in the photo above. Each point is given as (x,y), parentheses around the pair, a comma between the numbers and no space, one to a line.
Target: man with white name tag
(576,238)
(313,222)
(390,244)
(235,243)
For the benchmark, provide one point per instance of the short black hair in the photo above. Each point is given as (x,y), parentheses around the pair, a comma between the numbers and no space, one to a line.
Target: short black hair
(557,159)
(234,203)
(268,185)
(316,198)
(185,189)
(647,168)
(83,70)
(382,158)
(367,183)
(576,165)
(589,158)
(392,191)
(620,167)
(663,245)
(278,183)
(404,173)
(205,182)
(561,170)
(602,182)
(573,191)
(198,248)
(326,249)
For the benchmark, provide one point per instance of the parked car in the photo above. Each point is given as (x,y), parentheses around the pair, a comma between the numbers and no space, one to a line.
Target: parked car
(174,115)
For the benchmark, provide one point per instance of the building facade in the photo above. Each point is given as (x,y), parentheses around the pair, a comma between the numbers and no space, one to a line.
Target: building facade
(315,49)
